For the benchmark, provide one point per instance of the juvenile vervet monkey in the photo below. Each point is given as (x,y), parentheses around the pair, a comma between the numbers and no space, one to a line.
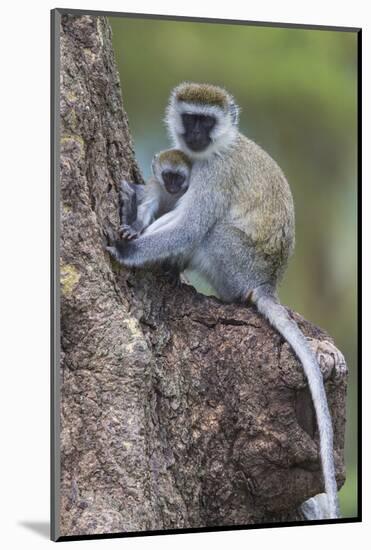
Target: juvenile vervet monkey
(235,225)
(170,180)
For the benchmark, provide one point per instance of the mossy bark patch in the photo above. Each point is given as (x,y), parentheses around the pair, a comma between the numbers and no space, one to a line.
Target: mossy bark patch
(69,278)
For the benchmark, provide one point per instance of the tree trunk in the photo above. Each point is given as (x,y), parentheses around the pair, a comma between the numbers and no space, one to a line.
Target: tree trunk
(177,411)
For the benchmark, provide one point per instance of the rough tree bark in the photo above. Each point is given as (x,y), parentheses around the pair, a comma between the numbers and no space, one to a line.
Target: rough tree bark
(177,411)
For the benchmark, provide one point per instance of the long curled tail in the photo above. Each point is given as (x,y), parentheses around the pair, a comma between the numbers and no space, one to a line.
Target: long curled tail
(277,315)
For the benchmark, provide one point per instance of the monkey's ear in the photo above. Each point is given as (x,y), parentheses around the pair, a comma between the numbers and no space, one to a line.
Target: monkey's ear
(235,112)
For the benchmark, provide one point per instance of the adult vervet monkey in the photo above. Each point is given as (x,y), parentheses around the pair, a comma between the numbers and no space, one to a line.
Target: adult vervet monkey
(235,225)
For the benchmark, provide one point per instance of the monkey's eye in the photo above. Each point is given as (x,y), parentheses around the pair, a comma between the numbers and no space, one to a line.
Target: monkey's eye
(195,122)
(208,122)
(189,122)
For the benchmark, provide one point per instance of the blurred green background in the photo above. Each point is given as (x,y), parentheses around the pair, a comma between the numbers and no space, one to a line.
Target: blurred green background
(297,89)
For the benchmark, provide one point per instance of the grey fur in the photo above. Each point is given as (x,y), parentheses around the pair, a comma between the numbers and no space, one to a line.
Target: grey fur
(278,317)
(235,225)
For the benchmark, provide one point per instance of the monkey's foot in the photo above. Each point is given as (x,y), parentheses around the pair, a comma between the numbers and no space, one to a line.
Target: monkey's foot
(173,276)
(174,280)
(330,360)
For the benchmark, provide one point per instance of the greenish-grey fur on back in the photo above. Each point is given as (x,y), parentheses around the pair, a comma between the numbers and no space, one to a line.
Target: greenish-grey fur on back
(262,207)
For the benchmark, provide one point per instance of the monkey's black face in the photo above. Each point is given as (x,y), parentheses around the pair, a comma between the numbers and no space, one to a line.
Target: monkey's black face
(173,181)
(197,130)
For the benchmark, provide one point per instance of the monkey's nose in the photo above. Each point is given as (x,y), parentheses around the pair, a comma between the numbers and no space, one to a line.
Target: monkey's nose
(198,142)
(173,181)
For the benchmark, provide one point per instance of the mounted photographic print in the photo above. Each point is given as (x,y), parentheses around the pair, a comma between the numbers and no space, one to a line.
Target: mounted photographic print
(204,272)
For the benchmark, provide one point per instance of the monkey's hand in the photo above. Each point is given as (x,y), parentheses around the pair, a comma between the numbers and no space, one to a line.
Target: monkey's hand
(153,248)
(127,253)
(129,196)
(127,189)
(118,250)
(132,231)
(174,236)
